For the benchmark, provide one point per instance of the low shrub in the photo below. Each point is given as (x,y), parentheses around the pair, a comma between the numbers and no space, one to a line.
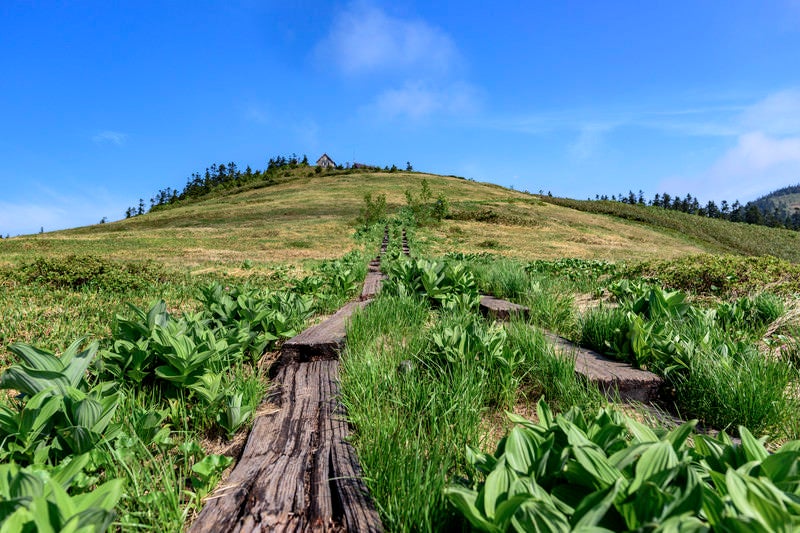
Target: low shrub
(76,272)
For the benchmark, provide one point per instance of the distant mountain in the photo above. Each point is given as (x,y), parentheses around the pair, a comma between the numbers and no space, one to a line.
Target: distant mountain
(783,202)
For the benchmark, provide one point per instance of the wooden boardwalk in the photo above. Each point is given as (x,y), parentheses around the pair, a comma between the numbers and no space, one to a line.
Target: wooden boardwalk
(297,471)
(323,341)
(614,378)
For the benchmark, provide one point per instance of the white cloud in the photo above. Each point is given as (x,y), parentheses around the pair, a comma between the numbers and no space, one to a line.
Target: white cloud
(777,114)
(766,155)
(364,39)
(113,137)
(588,141)
(416,100)
(52,210)
(756,165)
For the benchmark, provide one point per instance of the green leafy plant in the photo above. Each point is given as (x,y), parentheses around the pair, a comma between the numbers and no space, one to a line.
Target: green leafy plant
(439,282)
(611,473)
(35,500)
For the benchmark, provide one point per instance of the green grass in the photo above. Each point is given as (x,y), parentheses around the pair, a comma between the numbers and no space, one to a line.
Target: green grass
(721,275)
(719,235)
(412,423)
(414,411)
(709,357)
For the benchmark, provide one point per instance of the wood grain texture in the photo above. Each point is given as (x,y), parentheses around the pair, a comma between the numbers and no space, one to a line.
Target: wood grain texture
(323,341)
(611,376)
(297,472)
(501,309)
(372,285)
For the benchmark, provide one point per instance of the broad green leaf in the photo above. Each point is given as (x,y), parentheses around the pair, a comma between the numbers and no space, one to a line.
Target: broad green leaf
(679,435)
(783,469)
(70,468)
(37,413)
(483,462)
(658,457)
(17,522)
(86,412)
(75,367)
(103,497)
(753,448)
(211,465)
(79,438)
(522,421)
(713,505)
(495,489)
(32,381)
(628,456)
(602,473)
(683,524)
(26,484)
(464,500)
(641,432)
(37,358)
(756,500)
(535,517)
(521,450)
(594,507)
(507,509)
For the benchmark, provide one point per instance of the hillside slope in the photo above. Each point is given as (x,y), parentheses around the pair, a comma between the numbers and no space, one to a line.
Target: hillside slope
(314,216)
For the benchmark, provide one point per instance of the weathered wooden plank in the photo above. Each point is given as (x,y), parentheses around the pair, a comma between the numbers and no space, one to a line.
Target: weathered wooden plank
(323,341)
(501,309)
(372,285)
(296,472)
(357,507)
(611,376)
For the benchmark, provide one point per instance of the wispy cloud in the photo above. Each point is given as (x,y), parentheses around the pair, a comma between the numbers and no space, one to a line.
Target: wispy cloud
(777,114)
(695,121)
(413,66)
(765,156)
(256,113)
(112,137)
(53,210)
(364,39)
(418,99)
(589,140)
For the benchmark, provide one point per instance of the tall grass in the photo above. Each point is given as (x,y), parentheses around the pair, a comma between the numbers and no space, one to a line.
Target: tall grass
(411,430)
(416,406)
(746,239)
(550,373)
(709,358)
(548,295)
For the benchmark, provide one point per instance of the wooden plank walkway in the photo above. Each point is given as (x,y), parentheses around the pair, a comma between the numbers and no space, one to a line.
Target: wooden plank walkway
(297,471)
(613,377)
(323,341)
(372,285)
(501,309)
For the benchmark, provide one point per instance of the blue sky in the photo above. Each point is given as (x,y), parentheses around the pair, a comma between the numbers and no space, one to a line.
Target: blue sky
(102,103)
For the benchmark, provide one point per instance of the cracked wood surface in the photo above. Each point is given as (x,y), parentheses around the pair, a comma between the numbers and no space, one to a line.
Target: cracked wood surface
(297,472)
(323,341)
(611,376)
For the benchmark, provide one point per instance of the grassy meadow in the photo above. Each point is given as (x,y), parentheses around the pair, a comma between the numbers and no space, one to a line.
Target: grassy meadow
(437,395)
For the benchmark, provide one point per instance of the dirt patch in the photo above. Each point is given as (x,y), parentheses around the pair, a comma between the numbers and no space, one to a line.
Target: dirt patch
(496,424)
(585,302)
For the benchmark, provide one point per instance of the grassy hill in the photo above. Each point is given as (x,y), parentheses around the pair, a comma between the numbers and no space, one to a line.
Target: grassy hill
(242,268)
(786,201)
(313,217)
